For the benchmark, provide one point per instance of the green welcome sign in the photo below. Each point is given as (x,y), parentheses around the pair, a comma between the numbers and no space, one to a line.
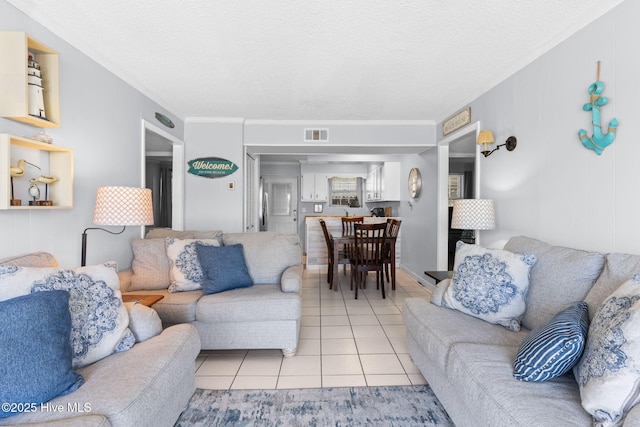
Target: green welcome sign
(211,167)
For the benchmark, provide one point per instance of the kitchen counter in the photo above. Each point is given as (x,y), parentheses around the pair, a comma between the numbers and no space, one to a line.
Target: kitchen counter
(316,246)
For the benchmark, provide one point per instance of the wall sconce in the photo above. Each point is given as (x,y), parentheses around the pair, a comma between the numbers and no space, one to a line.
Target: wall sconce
(119,206)
(486,137)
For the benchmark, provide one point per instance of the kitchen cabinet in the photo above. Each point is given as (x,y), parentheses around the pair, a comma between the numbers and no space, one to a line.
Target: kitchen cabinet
(51,159)
(15,48)
(383,182)
(315,187)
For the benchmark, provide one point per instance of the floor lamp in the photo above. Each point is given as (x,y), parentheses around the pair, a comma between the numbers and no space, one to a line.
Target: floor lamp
(473,214)
(120,206)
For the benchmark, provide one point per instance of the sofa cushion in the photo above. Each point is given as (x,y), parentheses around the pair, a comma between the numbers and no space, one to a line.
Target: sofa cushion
(437,329)
(560,278)
(482,374)
(144,321)
(257,303)
(609,371)
(150,265)
(618,268)
(489,284)
(267,254)
(162,233)
(553,349)
(35,351)
(98,317)
(185,272)
(223,268)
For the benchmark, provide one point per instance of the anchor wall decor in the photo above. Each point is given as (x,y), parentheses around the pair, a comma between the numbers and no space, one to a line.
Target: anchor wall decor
(598,141)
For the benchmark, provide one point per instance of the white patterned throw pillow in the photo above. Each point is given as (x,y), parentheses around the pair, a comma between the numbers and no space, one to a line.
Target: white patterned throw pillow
(185,273)
(99,319)
(490,284)
(609,372)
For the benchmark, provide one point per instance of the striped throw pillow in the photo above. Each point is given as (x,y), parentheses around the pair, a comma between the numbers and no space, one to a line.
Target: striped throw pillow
(553,349)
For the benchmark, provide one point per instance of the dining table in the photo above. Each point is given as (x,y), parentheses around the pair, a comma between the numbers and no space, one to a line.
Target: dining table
(337,240)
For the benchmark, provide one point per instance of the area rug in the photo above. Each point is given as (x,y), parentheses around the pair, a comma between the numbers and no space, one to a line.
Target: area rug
(349,406)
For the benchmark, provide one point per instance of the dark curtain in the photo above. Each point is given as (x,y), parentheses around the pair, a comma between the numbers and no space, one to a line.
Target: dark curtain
(165,196)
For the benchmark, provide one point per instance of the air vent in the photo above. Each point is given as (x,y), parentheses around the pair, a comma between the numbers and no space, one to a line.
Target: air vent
(311,135)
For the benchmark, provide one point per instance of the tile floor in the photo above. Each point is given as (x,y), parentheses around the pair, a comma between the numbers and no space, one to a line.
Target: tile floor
(343,342)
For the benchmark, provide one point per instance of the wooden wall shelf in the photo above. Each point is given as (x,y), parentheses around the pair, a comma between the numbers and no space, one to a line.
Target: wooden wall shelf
(52,159)
(14,104)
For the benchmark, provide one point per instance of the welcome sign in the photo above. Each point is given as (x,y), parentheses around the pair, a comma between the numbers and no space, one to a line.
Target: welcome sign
(211,167)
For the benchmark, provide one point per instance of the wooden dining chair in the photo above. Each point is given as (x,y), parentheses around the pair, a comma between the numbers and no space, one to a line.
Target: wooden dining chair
(347,230)
(342,259)
(393,228)
(367,254)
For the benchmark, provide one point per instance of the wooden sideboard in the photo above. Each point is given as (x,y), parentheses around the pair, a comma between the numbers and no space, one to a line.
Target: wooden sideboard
(316,246)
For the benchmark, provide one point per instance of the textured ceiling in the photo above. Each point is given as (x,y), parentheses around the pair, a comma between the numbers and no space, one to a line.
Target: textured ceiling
(314,60)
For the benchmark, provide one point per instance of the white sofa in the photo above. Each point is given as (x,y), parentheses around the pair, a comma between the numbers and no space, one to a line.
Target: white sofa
(263,316)
(469,362)
(147,385)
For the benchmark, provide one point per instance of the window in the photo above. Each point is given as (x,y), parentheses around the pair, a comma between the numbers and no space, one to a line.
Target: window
(345,192)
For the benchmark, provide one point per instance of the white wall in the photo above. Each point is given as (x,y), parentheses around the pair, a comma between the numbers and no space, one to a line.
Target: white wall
(100,121)
(550,187)
(209,204)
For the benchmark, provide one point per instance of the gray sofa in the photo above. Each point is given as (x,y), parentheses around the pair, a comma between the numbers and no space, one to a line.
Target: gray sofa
(469,362)
(263,316)
(147,385)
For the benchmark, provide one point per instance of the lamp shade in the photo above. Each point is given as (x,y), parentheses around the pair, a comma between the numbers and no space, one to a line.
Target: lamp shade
(473,214)
(123,206)
(485,137)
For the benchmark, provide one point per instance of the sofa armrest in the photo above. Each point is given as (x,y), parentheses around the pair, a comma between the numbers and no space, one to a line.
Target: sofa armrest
(125,279)
(438,293)
(291,280)
(633,417)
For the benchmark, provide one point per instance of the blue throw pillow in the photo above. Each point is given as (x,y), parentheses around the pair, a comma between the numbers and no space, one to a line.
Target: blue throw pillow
(223,267)
(553,349)
(35,351)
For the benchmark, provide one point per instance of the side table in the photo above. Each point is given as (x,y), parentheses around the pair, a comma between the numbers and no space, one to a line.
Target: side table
(439,276)
(144,299)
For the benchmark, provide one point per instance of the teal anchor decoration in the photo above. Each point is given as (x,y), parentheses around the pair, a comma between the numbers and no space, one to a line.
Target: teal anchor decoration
(598,142)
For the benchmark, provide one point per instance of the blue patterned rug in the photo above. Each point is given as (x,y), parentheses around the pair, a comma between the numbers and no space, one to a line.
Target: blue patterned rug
(352,406)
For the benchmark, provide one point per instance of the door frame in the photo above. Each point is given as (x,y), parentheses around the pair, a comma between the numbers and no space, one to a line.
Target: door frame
(442,216)
(177,180)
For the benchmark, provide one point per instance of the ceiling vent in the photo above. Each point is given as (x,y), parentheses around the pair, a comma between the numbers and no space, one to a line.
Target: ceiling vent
(311,135)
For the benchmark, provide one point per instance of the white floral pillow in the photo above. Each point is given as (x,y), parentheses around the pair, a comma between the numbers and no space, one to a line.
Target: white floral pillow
(99,319)
(490,284)
(609,372)
(185,273)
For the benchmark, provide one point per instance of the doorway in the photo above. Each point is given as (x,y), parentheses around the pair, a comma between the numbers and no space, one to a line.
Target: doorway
(457,153)
(163,173)
(280,204)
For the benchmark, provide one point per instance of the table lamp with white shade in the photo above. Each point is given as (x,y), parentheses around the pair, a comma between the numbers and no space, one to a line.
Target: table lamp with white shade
(473,214)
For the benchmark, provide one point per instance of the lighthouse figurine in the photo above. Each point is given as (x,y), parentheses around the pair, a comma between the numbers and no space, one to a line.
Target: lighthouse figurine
(36,98)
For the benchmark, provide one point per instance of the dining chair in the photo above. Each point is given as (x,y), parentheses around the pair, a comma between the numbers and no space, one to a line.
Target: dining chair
(348,230)
(393,228)
(342,259)
(367,254)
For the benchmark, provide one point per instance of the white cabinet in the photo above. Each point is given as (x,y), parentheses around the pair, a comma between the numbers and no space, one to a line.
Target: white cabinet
(52,160)
(314,187)
(390,181)
(383,182)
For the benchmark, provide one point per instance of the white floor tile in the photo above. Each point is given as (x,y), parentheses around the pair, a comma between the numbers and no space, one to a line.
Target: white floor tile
(301,366)
(373,346)
(407,364)
(220,365)
(381,364)
(336,332)
(214,383)
(299,381)
(255,383)
(343,381)
(309,332)
(260,365)
(335,320)
(363,319)
(341,365)
(310,321)
(417,379)
(308,347)
(368,331)
(338,346)
(387,380)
